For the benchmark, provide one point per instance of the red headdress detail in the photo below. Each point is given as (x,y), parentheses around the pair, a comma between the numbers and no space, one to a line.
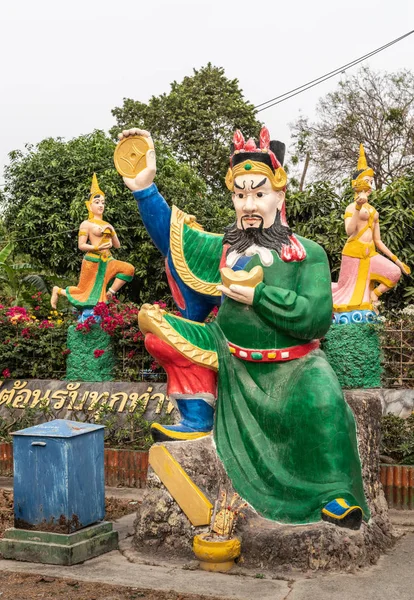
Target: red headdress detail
(240,145)
(265,145)
(238,140)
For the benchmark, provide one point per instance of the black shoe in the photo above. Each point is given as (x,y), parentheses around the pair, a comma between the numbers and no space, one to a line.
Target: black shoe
(342,514)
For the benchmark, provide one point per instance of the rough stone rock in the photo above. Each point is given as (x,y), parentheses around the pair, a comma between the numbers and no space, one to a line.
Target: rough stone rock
(398,402)
(162,528)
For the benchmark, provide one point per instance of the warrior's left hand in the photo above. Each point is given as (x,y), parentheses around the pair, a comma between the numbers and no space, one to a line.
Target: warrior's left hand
(239,293)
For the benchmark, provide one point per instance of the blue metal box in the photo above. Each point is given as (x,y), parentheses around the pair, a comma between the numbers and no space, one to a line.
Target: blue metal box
(59,480)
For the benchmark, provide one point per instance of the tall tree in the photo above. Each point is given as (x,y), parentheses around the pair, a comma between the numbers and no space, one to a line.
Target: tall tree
(374,108)
(196,119)
(43,205)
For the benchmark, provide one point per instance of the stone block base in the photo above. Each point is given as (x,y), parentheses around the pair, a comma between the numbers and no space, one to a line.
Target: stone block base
(57,548)
(162,528)
(81,363)
(344,345)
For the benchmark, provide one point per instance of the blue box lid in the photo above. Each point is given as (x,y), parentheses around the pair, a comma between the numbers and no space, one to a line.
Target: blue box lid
(59,428)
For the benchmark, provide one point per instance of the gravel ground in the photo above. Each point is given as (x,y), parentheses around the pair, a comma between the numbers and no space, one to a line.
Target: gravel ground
(20,586)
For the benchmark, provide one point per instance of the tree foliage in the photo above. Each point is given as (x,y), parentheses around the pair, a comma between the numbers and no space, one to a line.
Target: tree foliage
(374,108)
(196,119)
(47,185)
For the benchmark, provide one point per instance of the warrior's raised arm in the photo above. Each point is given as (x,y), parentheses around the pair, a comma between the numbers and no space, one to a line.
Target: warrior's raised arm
(193,286)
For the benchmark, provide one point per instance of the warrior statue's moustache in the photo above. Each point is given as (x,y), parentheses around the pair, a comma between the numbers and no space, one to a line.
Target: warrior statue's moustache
(273,238)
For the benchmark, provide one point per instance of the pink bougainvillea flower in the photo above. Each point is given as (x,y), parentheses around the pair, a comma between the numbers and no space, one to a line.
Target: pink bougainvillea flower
(16,310)
(6,373)
(161,304)
(98,353)
(46,324)
(66,352)
(85,327)
(101,309)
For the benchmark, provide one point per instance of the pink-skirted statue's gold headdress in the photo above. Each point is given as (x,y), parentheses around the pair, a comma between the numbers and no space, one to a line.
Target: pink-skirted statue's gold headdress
(359,184)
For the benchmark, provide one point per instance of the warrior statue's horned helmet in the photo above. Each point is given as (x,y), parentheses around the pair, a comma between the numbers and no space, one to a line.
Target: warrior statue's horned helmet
(267,159)
(359,184)
(94,191)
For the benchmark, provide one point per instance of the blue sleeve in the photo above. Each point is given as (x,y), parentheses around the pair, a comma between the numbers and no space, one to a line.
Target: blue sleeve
(156,215)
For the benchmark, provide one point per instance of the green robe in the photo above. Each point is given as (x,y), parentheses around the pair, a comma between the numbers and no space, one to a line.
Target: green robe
(283,431)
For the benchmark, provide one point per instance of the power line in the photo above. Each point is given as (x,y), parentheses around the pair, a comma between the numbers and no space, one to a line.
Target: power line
(277,99)
(322,78)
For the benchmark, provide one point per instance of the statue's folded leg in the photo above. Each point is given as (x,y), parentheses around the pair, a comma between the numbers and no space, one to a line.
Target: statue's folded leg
(183,348)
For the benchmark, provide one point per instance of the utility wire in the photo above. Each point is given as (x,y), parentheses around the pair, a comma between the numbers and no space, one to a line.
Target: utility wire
(282,97)
(322,78)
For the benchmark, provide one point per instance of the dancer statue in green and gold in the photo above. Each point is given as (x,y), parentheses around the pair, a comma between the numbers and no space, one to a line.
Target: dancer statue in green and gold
(101,275)
(282,428)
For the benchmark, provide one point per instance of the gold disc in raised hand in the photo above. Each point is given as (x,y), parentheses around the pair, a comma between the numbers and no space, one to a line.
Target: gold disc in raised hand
(129,155)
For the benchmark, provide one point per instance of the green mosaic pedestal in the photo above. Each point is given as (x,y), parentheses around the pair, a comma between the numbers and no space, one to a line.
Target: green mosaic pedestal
(354,353)
(57,548)
(81,364)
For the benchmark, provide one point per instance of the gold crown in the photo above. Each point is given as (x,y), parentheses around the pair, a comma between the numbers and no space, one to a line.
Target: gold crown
(278,179)
(359,184)
(94,191)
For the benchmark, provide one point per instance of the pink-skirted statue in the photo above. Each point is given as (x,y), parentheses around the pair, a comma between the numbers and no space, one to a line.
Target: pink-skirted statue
(355,296)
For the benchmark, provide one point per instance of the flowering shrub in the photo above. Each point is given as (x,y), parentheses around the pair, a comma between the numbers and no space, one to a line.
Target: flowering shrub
(34,340)
(120,321)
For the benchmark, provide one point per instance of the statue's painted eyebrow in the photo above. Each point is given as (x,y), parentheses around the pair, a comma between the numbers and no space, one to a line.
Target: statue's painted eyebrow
(239,187)
(254,187)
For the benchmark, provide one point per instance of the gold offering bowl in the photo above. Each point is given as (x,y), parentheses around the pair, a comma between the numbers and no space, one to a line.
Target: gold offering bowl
(216,555)
(246,278)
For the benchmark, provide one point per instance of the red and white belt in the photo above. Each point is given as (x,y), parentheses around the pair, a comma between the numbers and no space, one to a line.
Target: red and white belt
(276,355)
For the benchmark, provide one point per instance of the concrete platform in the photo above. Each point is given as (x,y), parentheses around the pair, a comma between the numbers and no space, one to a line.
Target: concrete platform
(392,577)
(57,548)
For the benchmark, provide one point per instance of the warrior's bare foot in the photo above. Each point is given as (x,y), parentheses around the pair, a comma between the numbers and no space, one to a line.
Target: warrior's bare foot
(55,296)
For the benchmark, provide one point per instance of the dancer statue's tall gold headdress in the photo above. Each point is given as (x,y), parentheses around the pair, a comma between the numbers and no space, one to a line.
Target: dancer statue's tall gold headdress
(94,191)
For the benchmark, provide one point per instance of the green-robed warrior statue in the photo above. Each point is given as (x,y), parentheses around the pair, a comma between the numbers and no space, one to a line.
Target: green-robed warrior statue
(282,428)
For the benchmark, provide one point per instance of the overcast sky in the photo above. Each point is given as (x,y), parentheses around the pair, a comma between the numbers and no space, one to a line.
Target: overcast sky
(64,66)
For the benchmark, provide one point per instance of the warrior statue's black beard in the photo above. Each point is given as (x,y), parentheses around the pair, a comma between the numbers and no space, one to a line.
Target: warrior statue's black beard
(273,237)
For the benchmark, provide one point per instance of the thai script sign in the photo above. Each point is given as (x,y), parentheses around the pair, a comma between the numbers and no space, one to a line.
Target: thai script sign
(66,397)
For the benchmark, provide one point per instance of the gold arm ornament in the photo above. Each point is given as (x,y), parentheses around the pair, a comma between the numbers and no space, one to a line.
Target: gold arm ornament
(405,267)
(130,155)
